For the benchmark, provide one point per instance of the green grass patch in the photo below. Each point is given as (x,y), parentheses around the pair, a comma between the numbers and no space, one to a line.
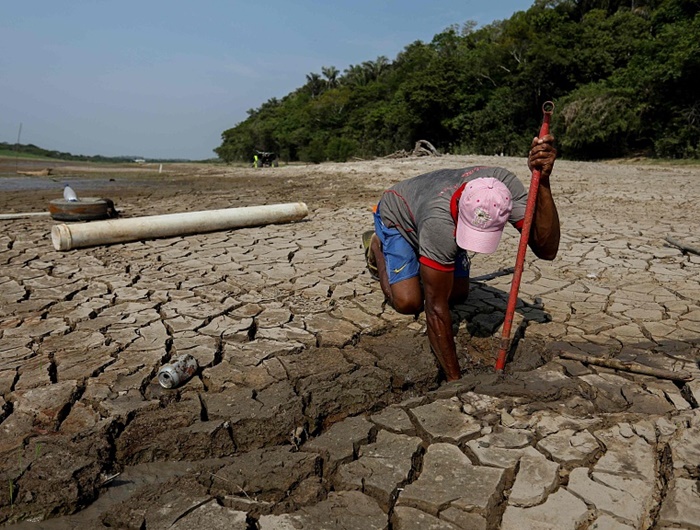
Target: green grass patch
(7,153)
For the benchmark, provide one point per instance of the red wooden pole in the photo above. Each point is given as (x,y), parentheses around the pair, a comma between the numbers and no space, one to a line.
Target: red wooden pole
(547,109)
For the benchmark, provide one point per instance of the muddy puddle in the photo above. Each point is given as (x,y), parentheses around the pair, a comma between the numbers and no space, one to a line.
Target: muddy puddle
(106,185)
(102,181)
(117,489)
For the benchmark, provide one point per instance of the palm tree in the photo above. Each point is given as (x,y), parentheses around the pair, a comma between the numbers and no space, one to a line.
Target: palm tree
(314,84)
(381,65)
(331,74)
(355,75)
(373,70)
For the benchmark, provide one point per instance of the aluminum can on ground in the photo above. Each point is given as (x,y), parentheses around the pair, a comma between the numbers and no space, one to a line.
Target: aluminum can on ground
(178,371)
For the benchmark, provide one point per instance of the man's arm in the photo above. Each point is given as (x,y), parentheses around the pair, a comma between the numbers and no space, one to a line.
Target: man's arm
(545,230)
(437,286)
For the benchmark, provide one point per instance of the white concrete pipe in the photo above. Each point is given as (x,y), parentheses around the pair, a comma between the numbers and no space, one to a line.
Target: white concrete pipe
(10,216)
(67,237)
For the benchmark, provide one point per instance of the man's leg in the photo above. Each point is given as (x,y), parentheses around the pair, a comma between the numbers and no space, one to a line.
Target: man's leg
(371,261)
(405,296)
(397,267)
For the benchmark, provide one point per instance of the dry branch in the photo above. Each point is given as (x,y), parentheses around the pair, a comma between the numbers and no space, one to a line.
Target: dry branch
(38,173)
(492,275)
(423,148)
(683,246)
(627,366)
(398,154)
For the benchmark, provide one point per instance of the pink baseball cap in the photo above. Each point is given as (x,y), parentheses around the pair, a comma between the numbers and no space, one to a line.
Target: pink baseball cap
(484,209)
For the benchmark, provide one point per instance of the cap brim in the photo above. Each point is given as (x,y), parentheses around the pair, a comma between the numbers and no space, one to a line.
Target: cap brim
(477,240)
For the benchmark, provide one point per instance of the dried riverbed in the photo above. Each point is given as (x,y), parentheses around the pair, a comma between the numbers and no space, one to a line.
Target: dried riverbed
(305,374)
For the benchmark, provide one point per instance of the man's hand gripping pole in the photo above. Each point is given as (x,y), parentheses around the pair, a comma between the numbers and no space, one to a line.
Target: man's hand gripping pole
(547,109)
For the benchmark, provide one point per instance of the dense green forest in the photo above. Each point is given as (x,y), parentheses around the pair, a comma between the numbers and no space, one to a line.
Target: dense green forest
(624,77)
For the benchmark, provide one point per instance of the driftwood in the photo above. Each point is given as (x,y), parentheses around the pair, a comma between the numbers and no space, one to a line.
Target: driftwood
(683,246)
(627,366)
(399,154)
(38,173)
(422,148)
(492,275)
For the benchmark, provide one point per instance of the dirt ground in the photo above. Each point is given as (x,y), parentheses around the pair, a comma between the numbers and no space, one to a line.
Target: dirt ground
(615,218)
(153,189)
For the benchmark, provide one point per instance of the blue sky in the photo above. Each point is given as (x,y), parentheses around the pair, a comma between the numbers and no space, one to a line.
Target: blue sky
(164,79)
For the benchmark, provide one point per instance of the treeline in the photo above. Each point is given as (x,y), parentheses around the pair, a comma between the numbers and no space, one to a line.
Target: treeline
(624,77)
(31,149)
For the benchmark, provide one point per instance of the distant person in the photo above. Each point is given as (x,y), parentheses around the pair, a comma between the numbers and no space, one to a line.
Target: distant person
(425,225)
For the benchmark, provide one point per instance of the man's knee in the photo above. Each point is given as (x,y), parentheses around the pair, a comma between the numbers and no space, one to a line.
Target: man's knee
(406,305)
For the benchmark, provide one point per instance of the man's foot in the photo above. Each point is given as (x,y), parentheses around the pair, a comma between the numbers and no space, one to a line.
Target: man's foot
(367,238)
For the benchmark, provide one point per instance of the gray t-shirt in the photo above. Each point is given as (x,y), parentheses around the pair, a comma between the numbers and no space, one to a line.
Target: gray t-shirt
(424,210)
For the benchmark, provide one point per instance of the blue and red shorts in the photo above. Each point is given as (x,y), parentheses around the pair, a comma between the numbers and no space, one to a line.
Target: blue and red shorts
(400,257)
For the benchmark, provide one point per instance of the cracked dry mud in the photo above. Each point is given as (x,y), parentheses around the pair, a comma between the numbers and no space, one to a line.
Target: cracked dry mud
(315,406)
